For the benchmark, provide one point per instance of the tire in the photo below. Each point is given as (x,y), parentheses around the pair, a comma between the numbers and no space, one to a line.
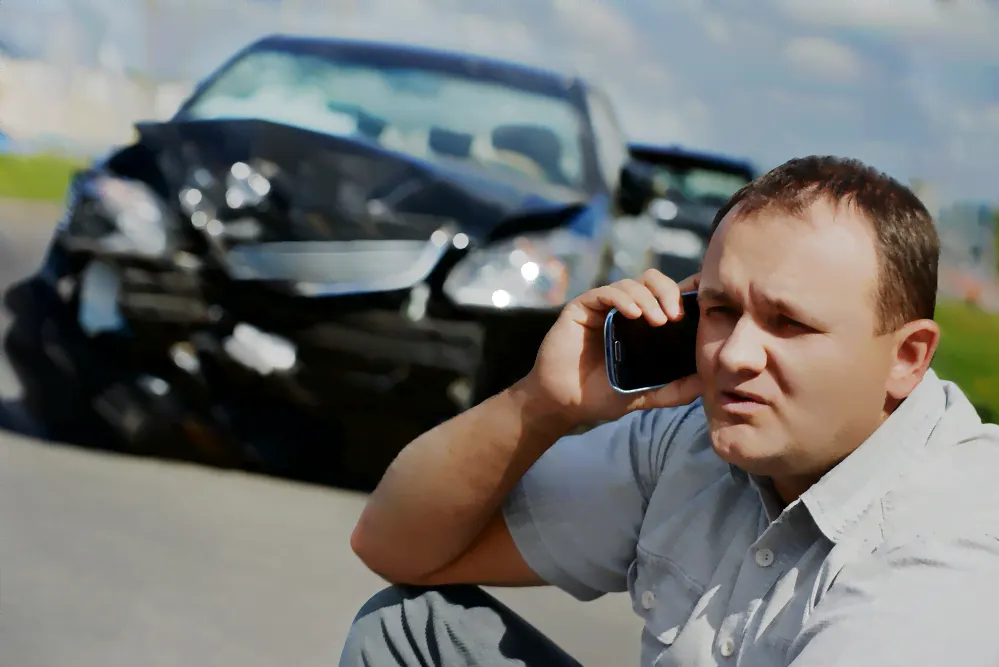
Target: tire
(51,398)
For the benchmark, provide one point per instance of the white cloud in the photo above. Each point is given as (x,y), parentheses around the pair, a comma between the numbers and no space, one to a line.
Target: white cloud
(892,14)
(976,119)
(600,22)
(718,29)
(813,105)
(426,23)
(964,26)
(823,57)
(507,38)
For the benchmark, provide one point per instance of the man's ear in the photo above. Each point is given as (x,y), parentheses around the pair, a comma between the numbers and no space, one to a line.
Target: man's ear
(915,345)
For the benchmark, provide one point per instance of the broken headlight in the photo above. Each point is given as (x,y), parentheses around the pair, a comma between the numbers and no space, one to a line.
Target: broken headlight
(535,271)
(142,225)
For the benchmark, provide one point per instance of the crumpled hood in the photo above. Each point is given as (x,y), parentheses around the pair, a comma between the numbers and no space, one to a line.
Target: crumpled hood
(329,188)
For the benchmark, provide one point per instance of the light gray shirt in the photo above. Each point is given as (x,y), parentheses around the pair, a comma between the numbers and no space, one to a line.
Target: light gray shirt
(892,558)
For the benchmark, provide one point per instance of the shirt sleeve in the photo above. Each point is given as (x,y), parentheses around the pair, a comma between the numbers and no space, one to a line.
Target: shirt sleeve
(576,514)
(931,602)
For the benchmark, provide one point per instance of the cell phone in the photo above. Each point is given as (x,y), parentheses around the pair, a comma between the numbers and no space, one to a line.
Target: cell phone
(641,356)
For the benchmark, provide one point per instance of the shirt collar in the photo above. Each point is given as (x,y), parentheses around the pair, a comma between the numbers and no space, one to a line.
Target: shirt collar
(846,491)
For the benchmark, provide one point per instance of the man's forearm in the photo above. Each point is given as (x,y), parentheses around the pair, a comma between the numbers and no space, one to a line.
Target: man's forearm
(438,494)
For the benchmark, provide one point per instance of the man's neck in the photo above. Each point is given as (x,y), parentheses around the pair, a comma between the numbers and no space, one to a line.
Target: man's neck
(789,488)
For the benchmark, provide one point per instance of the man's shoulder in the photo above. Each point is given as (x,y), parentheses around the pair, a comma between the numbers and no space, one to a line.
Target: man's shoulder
(952,486)
(654,441)
(961,446)
(676,442)
(679,431)
(960,420)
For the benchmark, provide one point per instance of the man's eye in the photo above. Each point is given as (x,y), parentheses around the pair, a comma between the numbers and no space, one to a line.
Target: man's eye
(720,310)
(786,322)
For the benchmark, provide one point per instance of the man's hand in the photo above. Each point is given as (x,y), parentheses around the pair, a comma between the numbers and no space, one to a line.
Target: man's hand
(570,374)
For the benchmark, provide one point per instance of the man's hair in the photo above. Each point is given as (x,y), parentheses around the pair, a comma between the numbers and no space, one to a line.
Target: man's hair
(908,247)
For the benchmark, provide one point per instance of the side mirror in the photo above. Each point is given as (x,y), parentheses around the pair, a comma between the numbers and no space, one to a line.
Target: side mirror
(636,187)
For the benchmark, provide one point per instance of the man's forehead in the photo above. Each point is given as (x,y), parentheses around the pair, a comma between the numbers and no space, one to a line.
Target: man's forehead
(791,256)
(822,221)
(817,210)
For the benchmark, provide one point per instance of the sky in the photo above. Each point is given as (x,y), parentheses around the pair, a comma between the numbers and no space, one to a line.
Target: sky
(910,86)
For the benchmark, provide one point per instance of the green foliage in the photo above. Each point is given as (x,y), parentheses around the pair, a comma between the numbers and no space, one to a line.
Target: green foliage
(969,354)
(36,177)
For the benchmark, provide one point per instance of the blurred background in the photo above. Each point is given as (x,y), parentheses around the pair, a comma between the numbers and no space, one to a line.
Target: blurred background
(108,559)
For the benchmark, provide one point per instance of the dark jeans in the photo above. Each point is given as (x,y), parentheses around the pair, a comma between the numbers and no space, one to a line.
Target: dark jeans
(453,626)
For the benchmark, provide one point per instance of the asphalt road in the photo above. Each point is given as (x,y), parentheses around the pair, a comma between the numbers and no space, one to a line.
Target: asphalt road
(109,561)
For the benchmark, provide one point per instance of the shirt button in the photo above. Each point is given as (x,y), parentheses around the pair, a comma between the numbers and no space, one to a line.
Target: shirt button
(648,599)
(727,647)
(764,557)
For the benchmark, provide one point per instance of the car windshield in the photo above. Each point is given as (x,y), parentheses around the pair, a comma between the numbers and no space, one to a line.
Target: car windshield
(698,184)
(434,115)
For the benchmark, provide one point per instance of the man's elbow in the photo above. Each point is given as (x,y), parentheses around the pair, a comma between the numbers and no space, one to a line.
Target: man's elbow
(365,548)
(379,560)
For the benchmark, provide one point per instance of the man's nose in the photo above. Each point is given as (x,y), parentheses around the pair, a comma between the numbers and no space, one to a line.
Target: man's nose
(744,350)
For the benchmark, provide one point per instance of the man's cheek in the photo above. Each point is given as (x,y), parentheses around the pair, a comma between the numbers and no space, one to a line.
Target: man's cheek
(704,356)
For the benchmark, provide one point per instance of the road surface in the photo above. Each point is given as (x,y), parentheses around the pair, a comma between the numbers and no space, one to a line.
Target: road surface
(114,561)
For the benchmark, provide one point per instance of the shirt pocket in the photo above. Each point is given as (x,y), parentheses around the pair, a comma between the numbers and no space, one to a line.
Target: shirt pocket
(663,596)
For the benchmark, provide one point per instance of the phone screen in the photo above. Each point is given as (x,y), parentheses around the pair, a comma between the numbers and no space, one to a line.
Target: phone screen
(641,356)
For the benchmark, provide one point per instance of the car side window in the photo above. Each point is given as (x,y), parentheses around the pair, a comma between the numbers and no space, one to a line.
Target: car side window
(609,140)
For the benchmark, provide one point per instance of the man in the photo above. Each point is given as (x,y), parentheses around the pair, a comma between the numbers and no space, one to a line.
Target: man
(815,495)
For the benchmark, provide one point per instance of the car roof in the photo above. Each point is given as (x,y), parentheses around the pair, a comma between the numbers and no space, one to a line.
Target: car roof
(679,155)
(458,62)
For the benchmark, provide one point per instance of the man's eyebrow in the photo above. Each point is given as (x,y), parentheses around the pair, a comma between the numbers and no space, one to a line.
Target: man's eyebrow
(713,294)
(793,310)
(776,303)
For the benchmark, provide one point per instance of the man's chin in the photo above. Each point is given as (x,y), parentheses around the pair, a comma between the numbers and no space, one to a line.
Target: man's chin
(745,447)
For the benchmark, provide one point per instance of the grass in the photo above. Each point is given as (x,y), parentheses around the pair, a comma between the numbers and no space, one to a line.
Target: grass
(36,177)
(969,354)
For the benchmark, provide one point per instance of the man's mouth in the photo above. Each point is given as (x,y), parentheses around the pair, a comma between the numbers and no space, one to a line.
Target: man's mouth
(740,401)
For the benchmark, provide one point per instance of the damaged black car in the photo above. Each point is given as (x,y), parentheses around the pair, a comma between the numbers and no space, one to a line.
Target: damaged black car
(331,247)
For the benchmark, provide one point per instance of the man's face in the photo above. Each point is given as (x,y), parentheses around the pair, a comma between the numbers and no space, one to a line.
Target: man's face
(794,372)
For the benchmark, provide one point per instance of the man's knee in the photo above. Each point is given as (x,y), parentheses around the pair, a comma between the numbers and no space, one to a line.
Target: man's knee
(403,595)
(446,625)
(403,625)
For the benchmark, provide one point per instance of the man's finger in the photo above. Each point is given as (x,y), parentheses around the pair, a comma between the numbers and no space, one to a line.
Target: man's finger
(666,292)
(595,304)
(646,300)
(690,284)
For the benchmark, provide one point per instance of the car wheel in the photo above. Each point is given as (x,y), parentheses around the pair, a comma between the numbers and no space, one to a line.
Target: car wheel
(51,398)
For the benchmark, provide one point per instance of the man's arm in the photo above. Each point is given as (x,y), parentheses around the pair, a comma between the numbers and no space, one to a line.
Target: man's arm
(931,602)
(573,518)
(435,517)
